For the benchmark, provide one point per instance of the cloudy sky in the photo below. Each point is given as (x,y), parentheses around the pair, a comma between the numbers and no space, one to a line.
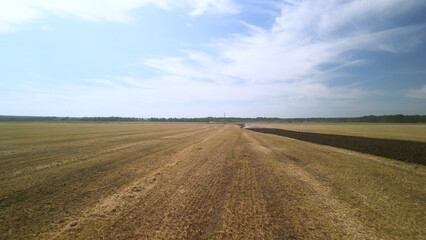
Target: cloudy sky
(198,58)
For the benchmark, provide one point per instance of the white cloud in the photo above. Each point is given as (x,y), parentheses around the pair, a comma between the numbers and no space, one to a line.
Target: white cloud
(324,17)
(287,60)
(277,71)
(216,6)
(15,13)
(417,93)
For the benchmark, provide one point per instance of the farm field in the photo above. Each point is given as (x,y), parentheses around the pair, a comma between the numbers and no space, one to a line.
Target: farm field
(406,151)
(410,132)
(201,181)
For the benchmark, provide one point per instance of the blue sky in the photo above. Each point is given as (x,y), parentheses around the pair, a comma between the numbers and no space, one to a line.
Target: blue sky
(188,58)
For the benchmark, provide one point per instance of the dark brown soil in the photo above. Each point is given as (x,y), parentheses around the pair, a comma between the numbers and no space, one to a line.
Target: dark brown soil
(407,151)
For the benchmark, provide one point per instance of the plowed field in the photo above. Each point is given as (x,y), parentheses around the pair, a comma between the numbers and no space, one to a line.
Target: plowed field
(408,151)
(198,181)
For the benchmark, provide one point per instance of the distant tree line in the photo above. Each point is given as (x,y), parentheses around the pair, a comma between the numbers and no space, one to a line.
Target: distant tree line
(68,119)
(399,118)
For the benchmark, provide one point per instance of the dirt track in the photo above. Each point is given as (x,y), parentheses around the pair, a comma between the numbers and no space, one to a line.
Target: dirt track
(408,151)
(222,182)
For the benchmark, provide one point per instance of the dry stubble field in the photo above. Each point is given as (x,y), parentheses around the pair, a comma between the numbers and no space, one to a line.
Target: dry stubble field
(198,181)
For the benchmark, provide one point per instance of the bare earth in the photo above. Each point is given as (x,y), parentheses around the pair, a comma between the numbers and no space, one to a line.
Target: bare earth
(398,131)
(198,181)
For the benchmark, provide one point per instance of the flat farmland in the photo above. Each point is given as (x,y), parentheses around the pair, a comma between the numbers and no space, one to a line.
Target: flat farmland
(410,132)
(199,181)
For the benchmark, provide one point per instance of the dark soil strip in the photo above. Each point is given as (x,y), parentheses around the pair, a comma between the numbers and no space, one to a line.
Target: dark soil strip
(407,151)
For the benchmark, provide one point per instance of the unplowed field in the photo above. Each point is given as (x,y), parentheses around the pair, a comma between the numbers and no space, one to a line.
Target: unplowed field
(198,181)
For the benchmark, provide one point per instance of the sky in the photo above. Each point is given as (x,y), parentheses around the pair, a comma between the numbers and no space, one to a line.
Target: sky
(199,58)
